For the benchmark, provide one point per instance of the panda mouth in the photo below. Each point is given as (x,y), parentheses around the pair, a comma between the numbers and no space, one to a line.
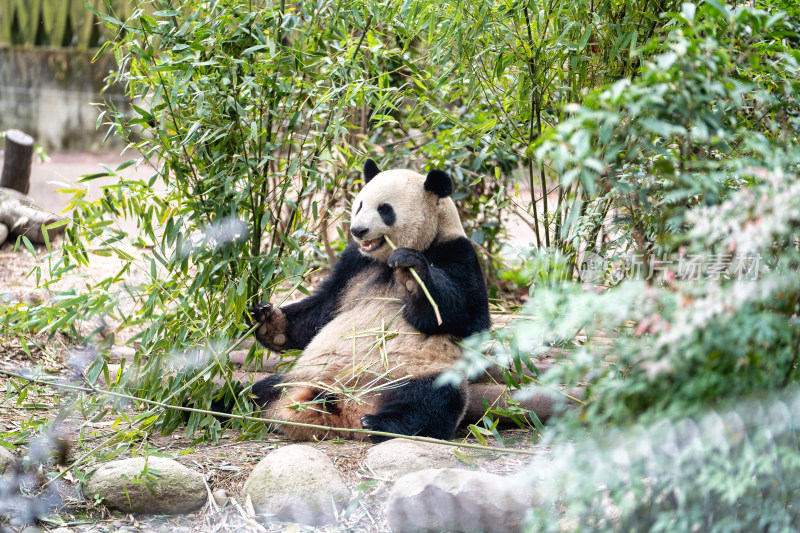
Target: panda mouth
(371,246)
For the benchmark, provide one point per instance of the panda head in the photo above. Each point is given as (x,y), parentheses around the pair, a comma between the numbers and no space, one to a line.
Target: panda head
(411,209)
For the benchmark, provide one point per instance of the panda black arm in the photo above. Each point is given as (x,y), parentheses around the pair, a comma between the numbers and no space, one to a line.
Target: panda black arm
(300,321)
(452,274)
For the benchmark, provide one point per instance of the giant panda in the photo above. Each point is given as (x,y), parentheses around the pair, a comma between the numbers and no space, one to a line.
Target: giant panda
(371,345)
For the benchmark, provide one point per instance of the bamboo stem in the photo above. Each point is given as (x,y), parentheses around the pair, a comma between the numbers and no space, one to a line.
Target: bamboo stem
(424,288)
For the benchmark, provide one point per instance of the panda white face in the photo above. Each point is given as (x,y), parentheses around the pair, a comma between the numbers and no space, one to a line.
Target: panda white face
(394,204)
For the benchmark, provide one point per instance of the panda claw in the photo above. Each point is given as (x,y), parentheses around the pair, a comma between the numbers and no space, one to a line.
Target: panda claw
(369,422)
(261,311)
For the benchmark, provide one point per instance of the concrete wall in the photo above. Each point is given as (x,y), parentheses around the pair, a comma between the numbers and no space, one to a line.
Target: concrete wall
(48,93)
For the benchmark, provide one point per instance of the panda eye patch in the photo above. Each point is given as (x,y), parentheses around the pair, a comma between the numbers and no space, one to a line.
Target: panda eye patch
(360,205)
(387,214)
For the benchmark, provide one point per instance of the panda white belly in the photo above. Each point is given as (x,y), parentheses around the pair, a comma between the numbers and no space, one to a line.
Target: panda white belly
(369,342)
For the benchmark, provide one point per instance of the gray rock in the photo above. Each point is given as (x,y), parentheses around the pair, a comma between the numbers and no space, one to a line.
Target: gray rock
(239,358)
(176,489)
(6,460)
(297,483)
(398,457)
(122,352)
(220,497)
(113,371)
(81,358)
(459,500)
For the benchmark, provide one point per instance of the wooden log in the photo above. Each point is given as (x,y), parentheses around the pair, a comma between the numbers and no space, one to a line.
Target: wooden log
(542,361)
(17,211)
(17,161)
(545,403)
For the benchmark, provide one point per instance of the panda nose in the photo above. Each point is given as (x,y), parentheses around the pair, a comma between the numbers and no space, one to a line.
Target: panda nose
(359,233)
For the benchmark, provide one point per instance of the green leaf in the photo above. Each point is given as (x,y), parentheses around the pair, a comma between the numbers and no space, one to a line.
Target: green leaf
(29,246)
(89,177)
(252,49)
(587,33)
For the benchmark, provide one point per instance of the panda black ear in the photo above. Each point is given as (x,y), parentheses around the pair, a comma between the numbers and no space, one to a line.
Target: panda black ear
(370,170)
(439,183)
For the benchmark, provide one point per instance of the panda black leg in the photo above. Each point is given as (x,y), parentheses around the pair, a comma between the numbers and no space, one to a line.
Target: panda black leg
(264,392)
(418,408)
(223,406)
(267,390)
(327,402)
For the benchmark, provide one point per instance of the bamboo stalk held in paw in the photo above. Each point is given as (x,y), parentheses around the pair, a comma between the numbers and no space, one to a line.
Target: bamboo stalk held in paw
(421,284)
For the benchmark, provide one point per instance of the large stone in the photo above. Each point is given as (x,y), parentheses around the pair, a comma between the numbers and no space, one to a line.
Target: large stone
(297,483)
(397,457)
(459,500)
(121,352)
(6,460)
(113,372)
(168,488)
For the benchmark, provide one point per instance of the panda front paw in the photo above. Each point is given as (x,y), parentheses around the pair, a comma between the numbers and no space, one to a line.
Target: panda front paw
(403,259)
(272,325)
(372,423)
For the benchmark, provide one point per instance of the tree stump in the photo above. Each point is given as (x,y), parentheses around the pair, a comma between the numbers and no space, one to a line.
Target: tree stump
(17,162)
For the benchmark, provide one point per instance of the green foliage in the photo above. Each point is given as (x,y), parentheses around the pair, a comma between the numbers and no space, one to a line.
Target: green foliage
(714,100)
(702,148)
(727,471)
(790,7)
(500,75)
(245,111)
(252,115)
(664,132)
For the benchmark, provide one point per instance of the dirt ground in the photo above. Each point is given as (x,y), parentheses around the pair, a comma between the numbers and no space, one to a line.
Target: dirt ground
(225,464)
